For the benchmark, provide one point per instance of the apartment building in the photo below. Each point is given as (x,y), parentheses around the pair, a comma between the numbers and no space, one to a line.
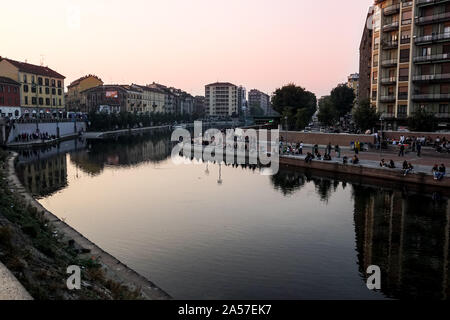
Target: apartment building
(365,59)
(353,83)
(221,99)
(411,59)
(152,98)
(9,98)
(259,99)
(74,89)
(41,88)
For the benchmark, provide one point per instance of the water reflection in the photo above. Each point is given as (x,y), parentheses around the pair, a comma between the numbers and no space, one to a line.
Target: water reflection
(402,229)
(124,152)
(405,233)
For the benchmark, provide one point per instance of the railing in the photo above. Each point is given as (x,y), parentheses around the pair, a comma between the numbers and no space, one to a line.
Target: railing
(431,96)
(388,80)
(389,98)
(392,9)
(433,18)
(390,62)
(424,2)
(390,44)
(431,77)
(442,115)
(402,96)
(405,40)
(442,56)
(433,37)
(402,116)
(407,4)
(389,26)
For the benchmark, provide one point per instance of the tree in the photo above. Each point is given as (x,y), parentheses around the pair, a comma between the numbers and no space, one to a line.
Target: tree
(365,116)
(422,121)
(289,99)
(343,98)
(327,111)
(256,110)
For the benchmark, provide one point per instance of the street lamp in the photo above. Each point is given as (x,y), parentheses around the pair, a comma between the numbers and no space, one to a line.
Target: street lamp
(381,135)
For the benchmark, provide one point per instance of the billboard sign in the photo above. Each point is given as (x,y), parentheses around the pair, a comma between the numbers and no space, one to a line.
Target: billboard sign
(112,95)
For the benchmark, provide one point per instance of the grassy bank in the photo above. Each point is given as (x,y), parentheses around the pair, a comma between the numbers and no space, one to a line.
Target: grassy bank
(38,256)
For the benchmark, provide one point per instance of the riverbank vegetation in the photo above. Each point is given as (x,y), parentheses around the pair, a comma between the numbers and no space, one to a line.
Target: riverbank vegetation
(126,120)
(33,250)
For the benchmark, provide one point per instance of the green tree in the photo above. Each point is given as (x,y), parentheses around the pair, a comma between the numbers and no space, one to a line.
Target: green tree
(256,110)
(327,111)
(289,99)
(422,121)
(343,99)
(365,116)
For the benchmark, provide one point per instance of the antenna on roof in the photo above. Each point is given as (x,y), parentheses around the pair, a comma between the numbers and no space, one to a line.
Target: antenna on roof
(42,60)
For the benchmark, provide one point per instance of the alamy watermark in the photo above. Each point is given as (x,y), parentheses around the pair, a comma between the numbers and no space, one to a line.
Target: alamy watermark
(234,146)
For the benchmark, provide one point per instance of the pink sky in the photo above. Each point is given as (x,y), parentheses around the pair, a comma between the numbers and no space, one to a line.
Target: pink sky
(189,43)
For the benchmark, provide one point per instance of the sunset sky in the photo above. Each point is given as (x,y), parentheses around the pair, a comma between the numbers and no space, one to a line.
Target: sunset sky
(189,43)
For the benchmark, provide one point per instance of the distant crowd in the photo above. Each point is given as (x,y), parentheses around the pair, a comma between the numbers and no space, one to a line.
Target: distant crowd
(26,137)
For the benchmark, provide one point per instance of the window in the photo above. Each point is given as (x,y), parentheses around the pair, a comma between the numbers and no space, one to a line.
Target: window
(47,101)
(60,102)
(404,55)
(26,100)
(33,89)
(426,51)
(59,92)
(406,17)
(47,90)
(406,36)
(444,108)
(40,90)
(40,81)
(59,84)
(24,78)
(402,109)
(403,93)
(41,101)
(47,82)
(374,94)
(53,91)
(33,100)
(32,79)
(54,102)
(1,88)
(375,76)
(403,74)
(53,82)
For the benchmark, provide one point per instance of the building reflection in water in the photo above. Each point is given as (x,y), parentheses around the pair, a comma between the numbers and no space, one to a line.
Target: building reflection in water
(43,171)
(46,176)
(405,233)
(124,152)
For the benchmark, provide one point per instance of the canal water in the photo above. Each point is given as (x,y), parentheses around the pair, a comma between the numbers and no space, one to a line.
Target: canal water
(217,231)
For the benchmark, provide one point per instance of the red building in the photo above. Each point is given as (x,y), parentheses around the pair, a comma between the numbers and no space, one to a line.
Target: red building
(9,93)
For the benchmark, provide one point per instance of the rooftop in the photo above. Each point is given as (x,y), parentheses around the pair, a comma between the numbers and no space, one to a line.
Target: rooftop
(34,69)
(76,82)
(9,81)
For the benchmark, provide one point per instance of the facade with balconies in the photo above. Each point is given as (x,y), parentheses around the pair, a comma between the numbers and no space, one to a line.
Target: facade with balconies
(411,59)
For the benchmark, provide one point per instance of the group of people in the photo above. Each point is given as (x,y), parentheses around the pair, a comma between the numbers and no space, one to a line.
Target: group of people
(439,171)
(25,137)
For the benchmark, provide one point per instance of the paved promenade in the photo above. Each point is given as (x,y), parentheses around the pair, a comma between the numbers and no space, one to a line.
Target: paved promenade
(10,287)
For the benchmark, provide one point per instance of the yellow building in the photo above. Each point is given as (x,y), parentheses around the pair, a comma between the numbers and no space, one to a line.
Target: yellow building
(74,98)
(41,88)
(153,99)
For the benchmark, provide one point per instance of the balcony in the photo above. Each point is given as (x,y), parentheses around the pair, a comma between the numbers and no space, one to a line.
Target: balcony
(407,4)
(389,63)
(435,18)
(389,80)
(422,3)
(387,45)
(432,77)
(432,58)
(431,97)
(437,37)
(395,8)
(389,98)
(391,26)
(402,116)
